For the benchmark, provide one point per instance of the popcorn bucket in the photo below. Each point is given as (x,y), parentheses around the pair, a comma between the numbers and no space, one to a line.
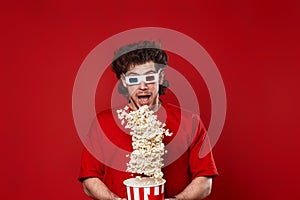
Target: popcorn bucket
(144,188)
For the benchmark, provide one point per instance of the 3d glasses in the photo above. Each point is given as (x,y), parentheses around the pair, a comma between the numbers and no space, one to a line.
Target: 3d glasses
(137,79)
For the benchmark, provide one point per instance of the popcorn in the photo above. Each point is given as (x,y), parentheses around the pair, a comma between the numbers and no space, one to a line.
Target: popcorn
(147,134)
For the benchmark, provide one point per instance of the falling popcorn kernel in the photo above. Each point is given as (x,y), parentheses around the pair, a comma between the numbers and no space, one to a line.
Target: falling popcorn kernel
(147,141)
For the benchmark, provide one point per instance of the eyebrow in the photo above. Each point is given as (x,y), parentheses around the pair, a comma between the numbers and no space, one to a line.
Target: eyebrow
(134,73)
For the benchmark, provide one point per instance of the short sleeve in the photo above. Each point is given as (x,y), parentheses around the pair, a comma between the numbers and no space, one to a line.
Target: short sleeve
(199,165)
(90,166)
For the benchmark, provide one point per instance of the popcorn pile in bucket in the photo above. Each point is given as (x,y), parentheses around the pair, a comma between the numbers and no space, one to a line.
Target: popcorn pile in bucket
(147,134)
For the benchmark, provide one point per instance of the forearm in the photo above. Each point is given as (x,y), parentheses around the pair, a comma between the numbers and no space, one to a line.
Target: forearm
(199,188)
(96,189)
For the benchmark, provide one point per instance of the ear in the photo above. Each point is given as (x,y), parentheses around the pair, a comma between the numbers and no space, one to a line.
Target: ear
(122,79)
(161,77)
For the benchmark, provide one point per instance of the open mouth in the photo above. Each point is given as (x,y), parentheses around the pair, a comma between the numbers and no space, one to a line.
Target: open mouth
(144,99)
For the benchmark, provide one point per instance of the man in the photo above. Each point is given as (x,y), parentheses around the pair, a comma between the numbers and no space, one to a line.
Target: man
(140,69)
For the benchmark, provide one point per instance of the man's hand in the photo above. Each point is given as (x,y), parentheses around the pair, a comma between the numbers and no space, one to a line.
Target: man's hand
(96,189)
(199,188)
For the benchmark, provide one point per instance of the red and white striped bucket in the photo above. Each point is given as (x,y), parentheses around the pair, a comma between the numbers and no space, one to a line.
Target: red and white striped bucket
(144,189)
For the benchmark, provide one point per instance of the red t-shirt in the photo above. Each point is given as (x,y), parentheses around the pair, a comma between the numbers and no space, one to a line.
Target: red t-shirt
(182,159)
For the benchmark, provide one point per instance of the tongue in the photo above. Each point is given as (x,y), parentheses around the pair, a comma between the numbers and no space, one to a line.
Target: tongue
(143,101)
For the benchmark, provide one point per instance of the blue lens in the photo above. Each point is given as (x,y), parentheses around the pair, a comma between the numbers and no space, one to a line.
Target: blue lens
(133,80)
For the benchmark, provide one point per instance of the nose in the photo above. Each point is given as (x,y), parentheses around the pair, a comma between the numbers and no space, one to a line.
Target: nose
(143,85)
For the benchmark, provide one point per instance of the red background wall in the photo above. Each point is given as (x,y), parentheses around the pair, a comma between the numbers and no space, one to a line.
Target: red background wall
(255,45)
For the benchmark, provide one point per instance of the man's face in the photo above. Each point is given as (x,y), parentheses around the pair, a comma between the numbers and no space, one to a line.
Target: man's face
(145,91)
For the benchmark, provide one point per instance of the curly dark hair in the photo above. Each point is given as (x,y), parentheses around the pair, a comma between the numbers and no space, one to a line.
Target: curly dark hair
(136,54)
